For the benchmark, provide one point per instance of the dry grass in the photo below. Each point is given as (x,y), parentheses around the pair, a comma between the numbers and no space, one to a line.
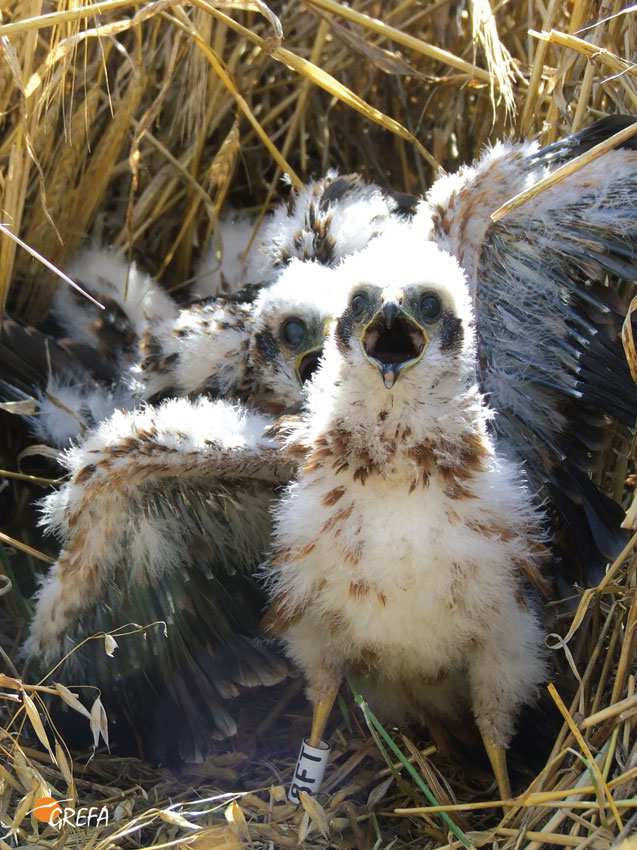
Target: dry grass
(138,123)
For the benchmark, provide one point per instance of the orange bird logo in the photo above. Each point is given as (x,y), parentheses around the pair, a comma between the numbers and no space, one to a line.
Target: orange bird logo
(45,809)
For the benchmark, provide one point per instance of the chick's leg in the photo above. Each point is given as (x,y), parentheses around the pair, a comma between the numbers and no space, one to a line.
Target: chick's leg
(323,668)
(504,672)
(494,710)
(312,761)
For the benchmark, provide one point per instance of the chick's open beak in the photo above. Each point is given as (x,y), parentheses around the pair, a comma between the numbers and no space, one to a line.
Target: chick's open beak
(307,364)
(393,342)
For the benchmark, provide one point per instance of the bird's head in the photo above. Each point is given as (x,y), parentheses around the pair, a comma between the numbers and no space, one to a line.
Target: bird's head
(291,321)
(394,326)
(408,318)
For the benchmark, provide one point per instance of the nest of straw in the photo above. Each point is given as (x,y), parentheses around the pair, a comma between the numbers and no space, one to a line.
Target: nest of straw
(136,124)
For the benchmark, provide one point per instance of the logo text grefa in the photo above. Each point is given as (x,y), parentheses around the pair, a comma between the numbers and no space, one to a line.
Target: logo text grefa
(85,816)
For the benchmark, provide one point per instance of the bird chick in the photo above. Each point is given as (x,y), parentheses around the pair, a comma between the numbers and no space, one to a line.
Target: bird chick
(405,549)
(259,351)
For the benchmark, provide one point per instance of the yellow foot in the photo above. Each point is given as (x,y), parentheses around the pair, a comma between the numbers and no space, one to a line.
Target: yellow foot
(321,714)
(498,759)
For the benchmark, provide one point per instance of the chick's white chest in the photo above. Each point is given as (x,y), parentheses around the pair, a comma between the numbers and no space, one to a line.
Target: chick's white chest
(397,570)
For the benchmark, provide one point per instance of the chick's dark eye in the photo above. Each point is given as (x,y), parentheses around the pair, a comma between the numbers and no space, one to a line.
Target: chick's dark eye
(430,307)
(294,331)
(359,304)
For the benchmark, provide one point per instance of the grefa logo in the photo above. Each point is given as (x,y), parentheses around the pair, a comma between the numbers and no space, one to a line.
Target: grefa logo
(54,813)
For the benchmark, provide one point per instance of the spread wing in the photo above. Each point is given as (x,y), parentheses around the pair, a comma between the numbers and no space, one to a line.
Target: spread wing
(548,283)
(165,517)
